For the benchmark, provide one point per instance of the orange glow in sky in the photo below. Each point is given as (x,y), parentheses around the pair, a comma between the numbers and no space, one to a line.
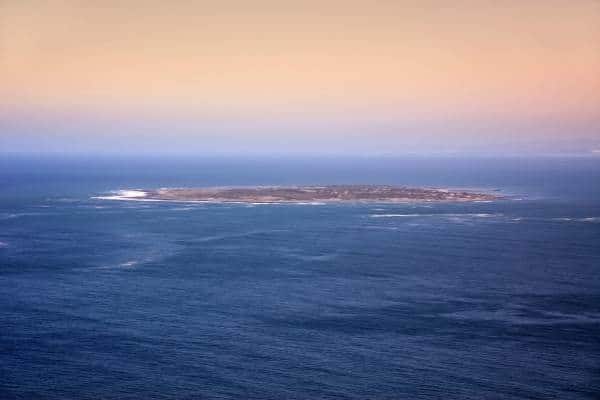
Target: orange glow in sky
(517,67)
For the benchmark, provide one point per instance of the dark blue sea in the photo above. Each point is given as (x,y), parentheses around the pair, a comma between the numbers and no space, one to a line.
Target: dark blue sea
(106,299)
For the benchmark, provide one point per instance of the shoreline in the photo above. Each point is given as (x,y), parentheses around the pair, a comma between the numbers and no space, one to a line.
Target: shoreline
(312,195)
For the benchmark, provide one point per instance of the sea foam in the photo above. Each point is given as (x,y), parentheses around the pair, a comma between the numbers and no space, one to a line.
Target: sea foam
(125,195)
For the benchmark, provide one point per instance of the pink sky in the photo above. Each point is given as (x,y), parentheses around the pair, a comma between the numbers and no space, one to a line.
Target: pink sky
(309,77)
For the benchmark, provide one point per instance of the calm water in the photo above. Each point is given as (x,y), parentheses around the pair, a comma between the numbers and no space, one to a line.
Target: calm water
(133,300)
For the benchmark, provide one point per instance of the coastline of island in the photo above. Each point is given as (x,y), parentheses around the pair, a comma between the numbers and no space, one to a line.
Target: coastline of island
(303,194)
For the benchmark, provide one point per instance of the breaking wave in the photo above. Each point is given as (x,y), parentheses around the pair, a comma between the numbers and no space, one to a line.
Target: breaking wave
(453,215)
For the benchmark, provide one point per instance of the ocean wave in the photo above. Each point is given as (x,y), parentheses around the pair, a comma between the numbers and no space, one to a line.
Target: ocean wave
(129,264)
(453,215)
(64,200)
(4,216)
(8,215)
(141,196)
(3,244)
(385,228)
(124,195)
(573,219)
(212,238)
(273,203)
(132,193)
(121,265)
(397,215)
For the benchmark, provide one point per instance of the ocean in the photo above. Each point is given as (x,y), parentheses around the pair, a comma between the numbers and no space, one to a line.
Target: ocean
(106,299)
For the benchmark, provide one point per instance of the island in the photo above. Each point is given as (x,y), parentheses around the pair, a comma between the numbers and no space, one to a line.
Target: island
(304,194)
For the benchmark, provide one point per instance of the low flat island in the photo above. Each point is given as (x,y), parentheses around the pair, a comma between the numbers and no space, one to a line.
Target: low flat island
(296,194)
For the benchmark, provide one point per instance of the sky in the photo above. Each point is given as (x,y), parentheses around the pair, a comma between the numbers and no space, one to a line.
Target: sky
(300,77)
